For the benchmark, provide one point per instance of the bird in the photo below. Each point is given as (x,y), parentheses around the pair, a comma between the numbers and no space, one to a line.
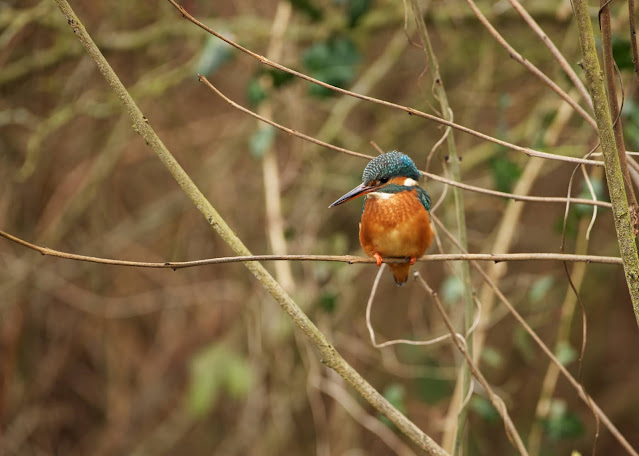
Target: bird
(396,218)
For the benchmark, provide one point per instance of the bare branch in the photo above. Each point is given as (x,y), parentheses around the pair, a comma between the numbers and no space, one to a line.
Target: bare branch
(290,131)
(529,66)
(350,259)
(460,343)
(410,111)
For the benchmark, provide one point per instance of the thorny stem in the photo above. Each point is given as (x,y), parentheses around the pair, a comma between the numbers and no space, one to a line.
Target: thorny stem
(329,355)
(614,176)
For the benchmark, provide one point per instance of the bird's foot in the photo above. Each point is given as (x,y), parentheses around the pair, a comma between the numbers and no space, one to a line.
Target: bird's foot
(378,258)
(413,260)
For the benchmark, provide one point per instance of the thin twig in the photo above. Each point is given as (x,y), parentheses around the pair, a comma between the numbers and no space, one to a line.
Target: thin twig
(350,259)
(371,331)
(410,111)
(563,63)
(472,188)
(460,343)
(529,66)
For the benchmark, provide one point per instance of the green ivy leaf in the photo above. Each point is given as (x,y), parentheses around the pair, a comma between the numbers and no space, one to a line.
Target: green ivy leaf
(622,53)
(561,423)
(523,344)
(261,140)
(540,288)
(432,390)
(214,54)
(204,380)
(308,7)
(630,114)
(255,93)
(565,353)
(238,377)
(328,301)
(215,370)
(492,357)
(484,408)
(395,394)
(356,9)
(332,62)
(505,172)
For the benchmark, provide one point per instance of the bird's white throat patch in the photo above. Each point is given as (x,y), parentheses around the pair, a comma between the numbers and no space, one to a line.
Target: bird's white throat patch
(380,195)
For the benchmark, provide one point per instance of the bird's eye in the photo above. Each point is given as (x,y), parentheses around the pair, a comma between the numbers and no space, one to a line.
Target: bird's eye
(383,180)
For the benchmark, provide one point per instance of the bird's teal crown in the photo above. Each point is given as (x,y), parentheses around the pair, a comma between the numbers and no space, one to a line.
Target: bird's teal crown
(389,165)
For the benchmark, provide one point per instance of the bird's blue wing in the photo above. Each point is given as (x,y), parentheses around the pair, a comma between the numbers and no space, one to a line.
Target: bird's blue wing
(423,197)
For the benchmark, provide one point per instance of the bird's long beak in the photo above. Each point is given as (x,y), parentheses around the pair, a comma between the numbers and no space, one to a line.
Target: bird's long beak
(360,190)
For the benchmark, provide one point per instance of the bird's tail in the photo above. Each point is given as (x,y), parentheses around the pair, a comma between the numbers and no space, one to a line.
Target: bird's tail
(400,272)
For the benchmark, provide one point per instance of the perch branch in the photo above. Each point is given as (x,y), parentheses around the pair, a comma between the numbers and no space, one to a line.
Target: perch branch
(350,259)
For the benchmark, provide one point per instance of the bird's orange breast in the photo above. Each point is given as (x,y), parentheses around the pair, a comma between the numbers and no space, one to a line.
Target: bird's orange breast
(396,226)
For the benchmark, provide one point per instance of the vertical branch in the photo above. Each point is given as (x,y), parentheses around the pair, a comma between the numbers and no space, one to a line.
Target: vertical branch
(563,336)
(609,72)
(614,177)
(329,355)
(272,201)
(633,36)
(454,159)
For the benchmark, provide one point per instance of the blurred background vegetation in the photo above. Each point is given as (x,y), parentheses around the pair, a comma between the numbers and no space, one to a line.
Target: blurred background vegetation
(107,360)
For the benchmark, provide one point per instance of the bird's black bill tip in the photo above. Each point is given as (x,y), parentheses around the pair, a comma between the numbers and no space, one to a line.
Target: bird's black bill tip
(360,190)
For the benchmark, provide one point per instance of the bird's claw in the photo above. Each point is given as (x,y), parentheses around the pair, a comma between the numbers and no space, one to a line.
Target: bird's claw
(378,258)
(413,260)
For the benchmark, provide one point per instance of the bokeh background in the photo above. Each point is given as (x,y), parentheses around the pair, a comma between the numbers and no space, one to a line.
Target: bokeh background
(108,360)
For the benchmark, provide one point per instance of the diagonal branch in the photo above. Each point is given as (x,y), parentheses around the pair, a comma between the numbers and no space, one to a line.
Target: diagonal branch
(329,355)
(534,199)
(529,66)
(563,63)
(410,111)
(460,343)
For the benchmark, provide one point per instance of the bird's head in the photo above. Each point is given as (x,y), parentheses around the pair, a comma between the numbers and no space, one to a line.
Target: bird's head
(389,169)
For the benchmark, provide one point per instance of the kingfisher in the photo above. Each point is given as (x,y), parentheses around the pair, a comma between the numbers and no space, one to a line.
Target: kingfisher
(395,214)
